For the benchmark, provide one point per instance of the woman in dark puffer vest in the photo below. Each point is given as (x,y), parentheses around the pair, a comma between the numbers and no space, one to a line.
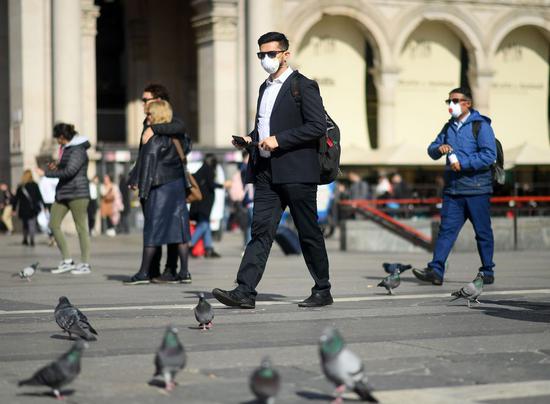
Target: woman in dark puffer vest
(28,202)
(72,194)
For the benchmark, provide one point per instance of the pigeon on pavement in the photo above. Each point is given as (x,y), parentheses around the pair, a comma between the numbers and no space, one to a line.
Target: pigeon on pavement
(391,281)
(265,382)
(59,372)
(342,367)
(73,321)
(204,313)
(471,291)
(390,268)
(170,357)
(28,272)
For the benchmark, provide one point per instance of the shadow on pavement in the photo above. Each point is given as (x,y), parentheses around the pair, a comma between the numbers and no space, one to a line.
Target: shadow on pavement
(50,394)
(314,395)
(117,278)
(535,312)
(62,337)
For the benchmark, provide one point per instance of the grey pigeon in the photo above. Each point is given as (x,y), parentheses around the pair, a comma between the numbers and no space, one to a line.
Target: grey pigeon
(73,321)
(342,367)
(59,372)
(391,281)
(471,291)
(204,313)
(28,272)
(390,268)
(170,357)
(265,382)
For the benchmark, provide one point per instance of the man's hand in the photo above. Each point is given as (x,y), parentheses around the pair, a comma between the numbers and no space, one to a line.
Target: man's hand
(248,139)
(456,167)
(445,148)
(147,135)
(269,143)
(52,165)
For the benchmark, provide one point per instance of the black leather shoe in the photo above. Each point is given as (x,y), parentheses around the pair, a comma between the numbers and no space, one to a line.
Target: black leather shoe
(234,298)
(137,279)
(185,278)
(317,299)
(428,275)
(488,280)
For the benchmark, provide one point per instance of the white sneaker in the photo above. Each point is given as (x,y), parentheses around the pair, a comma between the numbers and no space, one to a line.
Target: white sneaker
(110,232)
(81,269)
(64,267)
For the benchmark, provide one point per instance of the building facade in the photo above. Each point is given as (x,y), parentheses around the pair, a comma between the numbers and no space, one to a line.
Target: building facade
(384,69)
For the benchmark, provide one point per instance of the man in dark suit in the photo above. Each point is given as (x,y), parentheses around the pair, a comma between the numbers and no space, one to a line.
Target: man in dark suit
(284,168)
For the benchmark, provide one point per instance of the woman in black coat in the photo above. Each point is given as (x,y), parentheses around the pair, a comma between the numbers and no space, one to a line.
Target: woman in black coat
(28,202)
(160,177)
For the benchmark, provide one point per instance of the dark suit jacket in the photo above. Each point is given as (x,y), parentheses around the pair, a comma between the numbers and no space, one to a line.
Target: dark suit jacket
(296,160)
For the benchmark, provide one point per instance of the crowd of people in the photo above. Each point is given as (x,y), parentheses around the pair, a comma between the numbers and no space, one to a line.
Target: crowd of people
(280,169)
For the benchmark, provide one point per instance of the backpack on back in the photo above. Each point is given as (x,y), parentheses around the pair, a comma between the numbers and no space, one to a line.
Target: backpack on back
(329,144)
(497,168)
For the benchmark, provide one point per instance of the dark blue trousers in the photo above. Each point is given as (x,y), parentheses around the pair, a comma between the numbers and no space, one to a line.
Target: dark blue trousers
(456,209)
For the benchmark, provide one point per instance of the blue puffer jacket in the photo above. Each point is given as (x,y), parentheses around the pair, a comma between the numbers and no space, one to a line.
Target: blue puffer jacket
(475,156)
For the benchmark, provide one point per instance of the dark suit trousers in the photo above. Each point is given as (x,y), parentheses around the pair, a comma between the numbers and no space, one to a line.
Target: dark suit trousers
(270,200)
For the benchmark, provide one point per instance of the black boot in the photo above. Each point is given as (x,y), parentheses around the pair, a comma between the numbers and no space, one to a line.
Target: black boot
(210,253)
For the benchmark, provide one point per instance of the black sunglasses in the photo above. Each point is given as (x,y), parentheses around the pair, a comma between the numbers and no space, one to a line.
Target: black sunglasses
(146,100)
(271,54)
(455,100)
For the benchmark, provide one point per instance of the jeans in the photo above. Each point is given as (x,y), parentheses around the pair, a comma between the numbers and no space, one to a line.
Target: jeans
(203,228)
(456,209)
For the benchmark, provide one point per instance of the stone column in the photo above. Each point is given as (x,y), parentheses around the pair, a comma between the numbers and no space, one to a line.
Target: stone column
(260,19)
(385,80)
(215,23)
(29,82)
(67,62)
(88,127)
(4,94)
(480,82)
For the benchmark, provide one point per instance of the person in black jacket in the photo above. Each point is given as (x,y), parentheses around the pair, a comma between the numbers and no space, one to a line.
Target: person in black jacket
(72,194)
(285,172)
(173,129)
(200,210)
(28,203)
(161,182)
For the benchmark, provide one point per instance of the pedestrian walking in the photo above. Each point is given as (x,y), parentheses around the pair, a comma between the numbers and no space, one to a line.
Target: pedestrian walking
(111,205)
(468,184)
(47,190)
(200,211)
(93,205)
(28,204)
(162,184)
(72,195)
(285,171)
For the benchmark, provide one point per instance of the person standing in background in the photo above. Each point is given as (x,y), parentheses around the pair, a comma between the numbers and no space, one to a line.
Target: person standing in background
(28,204)
(93,205)
(47,190)
(6,199)
(110,205)
(124,226)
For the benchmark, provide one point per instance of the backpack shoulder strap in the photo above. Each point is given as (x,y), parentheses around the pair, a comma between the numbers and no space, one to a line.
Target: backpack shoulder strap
(295,89)
(476,126)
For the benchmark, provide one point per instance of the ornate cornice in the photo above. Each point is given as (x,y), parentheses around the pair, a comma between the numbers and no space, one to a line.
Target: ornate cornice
(89,16)
(215,20)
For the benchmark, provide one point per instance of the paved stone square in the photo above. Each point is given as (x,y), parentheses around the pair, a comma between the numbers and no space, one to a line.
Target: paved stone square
(416,345)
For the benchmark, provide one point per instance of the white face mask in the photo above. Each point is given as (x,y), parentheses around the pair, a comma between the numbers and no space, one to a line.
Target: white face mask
(270,65)
(455,110)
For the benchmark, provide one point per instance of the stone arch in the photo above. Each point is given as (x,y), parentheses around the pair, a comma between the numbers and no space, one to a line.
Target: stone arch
(370,21)
(454,18)
(512,21)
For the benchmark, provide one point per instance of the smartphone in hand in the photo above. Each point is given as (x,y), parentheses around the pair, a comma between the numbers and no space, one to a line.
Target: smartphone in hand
(239,140)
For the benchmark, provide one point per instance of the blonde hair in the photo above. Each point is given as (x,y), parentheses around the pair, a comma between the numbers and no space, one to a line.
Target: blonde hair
(27,177)
(160,111)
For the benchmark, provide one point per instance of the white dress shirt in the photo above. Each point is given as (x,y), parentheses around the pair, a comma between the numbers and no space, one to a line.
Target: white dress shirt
(266,106)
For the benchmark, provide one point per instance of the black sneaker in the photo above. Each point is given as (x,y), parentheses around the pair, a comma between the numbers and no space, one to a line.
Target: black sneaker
(184,278)
(166,277)
(234,298)
(428,275)
(210,253)
(137,280)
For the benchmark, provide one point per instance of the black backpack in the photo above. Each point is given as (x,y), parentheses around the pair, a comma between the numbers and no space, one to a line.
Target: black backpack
(497,168)
(329,145)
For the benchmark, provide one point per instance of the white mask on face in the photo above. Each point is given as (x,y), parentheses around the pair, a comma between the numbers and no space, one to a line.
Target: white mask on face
(455,110)
(270,65)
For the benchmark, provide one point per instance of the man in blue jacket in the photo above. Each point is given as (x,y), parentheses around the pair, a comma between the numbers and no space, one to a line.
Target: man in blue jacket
(468,184)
